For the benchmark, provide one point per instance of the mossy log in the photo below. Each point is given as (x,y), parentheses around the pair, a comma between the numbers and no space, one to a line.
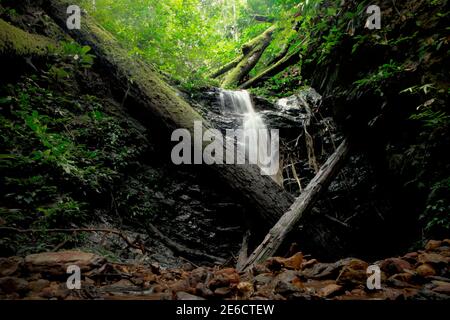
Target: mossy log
(161,109)
(276,68)
(226,68)
(252,52)
(16,42)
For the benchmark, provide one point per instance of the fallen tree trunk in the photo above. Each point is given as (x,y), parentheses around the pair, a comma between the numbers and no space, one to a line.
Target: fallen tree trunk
(252,52)
(304,202)
(280,55)
(276,68)
(226,68)
(16,42)
(162,110)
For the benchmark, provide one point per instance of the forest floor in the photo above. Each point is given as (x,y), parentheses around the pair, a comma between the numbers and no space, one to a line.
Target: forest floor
(421,275)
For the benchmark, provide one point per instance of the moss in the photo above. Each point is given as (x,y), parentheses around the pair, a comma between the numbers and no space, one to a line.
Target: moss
(18,42)
(252,52)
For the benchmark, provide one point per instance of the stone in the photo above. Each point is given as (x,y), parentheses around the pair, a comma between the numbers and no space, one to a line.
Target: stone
(9,266)
(326,271)
(224,278)
(355,272)
(443,288)
(186,296)
(411,257)
(56,263)
(309,263)
(245,287)
(198,275)
(433,258)
(203,291)
(432,244)
(426,270)
(287,282)
(329,290)
(293,263)
(263,278)
(38,285)
(222,292)
(404,277)
(10,285)
(394,265)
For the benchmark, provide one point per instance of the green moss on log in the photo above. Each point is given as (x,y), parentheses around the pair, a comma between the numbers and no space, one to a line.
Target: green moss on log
(14,41)
(252,53)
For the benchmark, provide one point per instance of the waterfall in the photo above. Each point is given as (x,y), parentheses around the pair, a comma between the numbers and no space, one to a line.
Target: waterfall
(253,125)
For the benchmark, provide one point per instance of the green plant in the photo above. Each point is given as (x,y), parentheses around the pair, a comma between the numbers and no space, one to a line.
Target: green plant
(79,54)
(436,216)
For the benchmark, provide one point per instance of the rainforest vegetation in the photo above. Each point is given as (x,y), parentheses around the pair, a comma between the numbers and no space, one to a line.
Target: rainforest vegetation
(86,117)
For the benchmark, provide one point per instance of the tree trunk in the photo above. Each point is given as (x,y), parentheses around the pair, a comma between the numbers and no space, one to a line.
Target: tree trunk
(16,42)
(261,18)
(297,211)
(273,70)
(226,68)
(162,110)
(252,51)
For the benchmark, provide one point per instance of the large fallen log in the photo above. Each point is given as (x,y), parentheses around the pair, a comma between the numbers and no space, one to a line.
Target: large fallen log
(272,70)
(162,110)
(252,52)
(224,69)
(14,41)
(299,208)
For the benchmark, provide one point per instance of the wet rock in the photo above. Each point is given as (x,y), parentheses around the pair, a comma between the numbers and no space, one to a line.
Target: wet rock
(198,275)
(327,271)
(330,290)
(9,266)
(245,288)
(433,258)
(287,282)
(353,273)
(263,278)
(56,263)
(432,244)
(443,288)
(55,291)
(309,263)
(294,262)
(426,270)
(321,271)
(203,291)
(9,285)
(285,288)
(403,277)
(38,285)
(411,257)
(222,292)
(394,265)
(186,296)
(224,278)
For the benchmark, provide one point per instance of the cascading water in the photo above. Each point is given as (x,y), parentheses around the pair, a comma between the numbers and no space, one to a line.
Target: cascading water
(253,125)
